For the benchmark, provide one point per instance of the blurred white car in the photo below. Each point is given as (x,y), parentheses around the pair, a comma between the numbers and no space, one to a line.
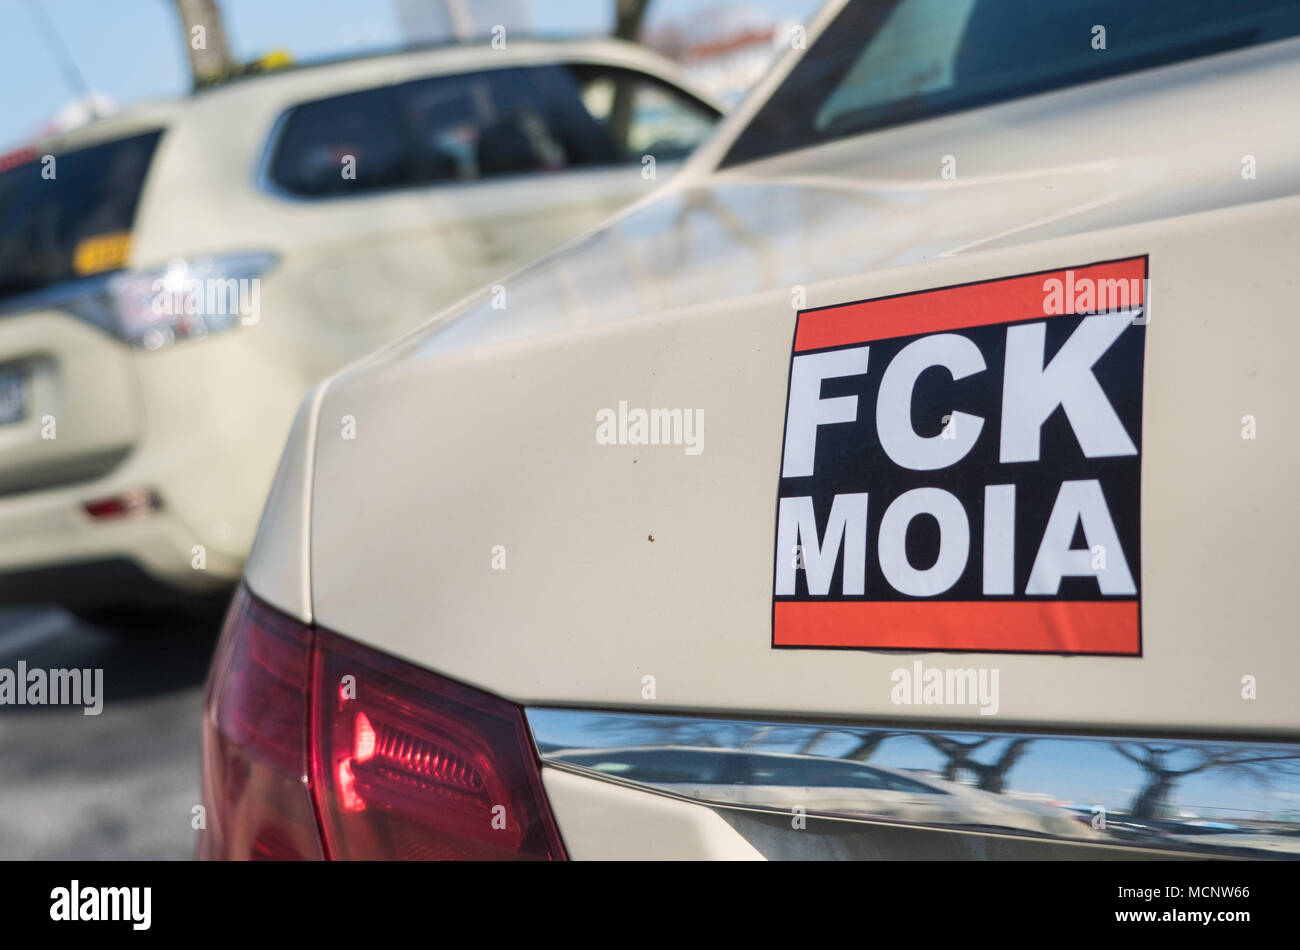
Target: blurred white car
(822,785)
(174,278)
(934,421)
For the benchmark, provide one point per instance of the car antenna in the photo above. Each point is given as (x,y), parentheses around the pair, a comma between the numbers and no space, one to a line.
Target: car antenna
(71,72)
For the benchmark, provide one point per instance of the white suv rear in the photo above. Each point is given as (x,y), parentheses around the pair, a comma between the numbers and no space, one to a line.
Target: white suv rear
(172,280)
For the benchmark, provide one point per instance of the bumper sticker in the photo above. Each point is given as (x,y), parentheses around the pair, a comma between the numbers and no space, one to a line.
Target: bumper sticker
(961,468)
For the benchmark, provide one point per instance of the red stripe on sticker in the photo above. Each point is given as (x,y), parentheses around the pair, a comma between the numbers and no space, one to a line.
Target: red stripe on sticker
(969,305)
(1109,627)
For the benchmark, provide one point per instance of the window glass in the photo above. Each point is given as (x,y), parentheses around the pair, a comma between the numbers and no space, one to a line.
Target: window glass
(480,125)
(472,126)
(445,116)
(887,62)
(76,223)
(642,115)
(913,55)
(462,127)
(343,144)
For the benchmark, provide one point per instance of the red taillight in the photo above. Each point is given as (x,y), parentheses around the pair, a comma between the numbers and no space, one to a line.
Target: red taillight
(131,504)
(255,739)
(403,764)
(412,766)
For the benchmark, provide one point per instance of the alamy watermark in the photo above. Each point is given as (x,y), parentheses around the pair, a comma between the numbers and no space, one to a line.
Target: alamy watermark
(56,687)
(684,427)
(1089,295)
(946,687)
(208,297)
(76,902)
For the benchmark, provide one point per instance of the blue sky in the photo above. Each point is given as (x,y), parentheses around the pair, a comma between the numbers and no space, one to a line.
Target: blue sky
(132,50)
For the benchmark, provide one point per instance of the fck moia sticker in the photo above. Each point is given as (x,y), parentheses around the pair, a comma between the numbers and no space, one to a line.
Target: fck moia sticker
(961,468)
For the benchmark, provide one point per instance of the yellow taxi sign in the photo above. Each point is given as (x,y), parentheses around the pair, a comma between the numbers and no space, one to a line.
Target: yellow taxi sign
(100,253)
(275,59)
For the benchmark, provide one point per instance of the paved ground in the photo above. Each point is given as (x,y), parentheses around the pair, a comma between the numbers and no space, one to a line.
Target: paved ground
(120,784)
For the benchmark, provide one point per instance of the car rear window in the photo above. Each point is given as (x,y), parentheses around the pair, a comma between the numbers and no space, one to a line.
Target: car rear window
(70,217)
(882,63)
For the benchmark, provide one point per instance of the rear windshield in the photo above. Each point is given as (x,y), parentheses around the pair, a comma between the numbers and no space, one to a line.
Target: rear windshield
(71,216)
(887,62)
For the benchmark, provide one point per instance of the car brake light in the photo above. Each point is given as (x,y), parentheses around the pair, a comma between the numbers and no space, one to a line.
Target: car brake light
(411,766)
(255,739)
(316,746)
(129,504)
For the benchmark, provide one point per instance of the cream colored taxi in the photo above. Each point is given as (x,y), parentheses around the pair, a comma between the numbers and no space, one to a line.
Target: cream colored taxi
(914,476)
(173,279)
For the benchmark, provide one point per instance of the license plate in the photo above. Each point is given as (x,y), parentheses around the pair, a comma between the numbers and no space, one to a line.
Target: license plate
(13,396)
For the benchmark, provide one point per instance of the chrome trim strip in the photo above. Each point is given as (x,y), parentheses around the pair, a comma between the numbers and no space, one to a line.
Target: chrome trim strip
(1207,797)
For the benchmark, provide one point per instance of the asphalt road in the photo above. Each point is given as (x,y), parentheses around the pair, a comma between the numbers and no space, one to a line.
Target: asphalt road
(118,785)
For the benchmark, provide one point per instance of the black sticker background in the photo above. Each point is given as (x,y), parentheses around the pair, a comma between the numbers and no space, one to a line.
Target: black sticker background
(849,458)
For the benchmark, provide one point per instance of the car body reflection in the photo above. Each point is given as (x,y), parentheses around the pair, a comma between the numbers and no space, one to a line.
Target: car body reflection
(1214,798)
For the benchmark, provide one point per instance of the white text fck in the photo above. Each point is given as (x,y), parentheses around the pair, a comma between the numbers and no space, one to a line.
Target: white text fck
(1032,389)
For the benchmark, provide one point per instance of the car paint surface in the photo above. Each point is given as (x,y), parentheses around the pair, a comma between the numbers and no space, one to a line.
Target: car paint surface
(630,561)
